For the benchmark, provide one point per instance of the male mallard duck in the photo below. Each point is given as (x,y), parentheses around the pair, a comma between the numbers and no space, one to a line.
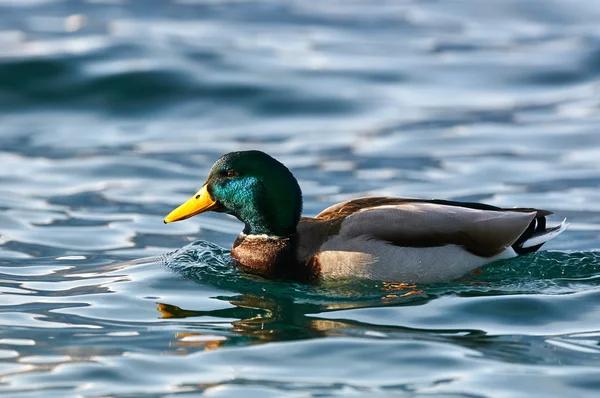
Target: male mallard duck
(381,238)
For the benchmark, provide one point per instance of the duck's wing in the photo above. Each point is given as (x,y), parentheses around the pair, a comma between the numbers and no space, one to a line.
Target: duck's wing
(481,229)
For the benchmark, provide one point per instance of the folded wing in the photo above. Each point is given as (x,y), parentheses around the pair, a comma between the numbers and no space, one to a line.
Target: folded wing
(484,231)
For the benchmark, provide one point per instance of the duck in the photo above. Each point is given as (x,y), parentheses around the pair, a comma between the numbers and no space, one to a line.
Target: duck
(380,238)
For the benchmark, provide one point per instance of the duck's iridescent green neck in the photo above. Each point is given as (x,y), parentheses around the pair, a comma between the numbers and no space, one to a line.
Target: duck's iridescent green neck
(273,212)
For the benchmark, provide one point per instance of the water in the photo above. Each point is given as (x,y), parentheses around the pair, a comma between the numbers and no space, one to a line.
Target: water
(112,112)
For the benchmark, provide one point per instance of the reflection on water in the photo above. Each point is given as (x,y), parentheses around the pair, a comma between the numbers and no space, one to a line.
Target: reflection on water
(112,113)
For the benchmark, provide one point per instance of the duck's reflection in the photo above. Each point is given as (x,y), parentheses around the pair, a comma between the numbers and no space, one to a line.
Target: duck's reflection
(262,318)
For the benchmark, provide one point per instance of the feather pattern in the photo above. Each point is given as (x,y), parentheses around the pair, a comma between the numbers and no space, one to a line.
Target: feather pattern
(413,240)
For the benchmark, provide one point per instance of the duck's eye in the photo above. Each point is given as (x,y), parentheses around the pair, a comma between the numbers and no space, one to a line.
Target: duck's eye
(231,174)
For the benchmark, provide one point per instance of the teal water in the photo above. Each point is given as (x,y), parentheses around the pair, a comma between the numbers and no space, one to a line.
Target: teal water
(112,112)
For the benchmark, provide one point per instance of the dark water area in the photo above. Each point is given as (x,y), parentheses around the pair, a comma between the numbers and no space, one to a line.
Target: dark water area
(113,111)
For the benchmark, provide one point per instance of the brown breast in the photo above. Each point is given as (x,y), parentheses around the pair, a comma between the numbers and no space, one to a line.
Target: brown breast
(273,258)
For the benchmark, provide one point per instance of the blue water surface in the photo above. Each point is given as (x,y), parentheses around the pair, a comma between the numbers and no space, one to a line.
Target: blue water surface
(112,112)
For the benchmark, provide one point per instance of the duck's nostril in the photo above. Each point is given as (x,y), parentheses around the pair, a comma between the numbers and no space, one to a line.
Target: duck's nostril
(197,196)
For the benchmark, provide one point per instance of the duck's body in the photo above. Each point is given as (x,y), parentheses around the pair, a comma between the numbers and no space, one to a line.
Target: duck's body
(381,238)
(398,239)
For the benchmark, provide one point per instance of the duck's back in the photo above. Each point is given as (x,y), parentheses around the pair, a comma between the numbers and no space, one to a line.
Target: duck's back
(412,240)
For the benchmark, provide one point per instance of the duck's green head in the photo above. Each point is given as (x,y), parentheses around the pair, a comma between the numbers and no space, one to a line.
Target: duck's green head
(251,185)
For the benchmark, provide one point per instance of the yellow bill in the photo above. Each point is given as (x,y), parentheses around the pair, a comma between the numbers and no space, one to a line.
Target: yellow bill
(199,203)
